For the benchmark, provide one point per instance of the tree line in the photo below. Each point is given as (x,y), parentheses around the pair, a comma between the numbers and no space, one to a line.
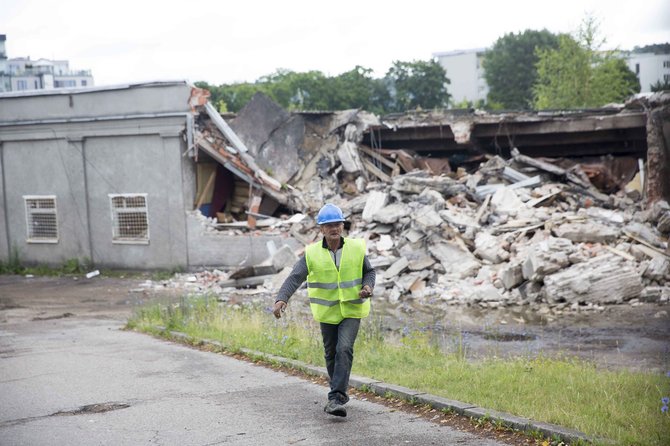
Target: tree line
(530,70)
(406,86)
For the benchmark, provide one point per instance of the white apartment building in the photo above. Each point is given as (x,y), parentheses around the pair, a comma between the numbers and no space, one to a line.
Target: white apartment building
(22,74)
(466,73)
(649,68)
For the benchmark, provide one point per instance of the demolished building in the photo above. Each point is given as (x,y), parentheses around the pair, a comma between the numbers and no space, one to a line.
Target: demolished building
(109,176)
(462,205)
(564,208)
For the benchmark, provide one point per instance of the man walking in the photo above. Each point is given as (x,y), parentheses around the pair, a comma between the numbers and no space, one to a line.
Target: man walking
(340,280)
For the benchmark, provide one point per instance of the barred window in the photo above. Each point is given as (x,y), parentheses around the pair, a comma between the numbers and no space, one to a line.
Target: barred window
(130,218)
(41,218)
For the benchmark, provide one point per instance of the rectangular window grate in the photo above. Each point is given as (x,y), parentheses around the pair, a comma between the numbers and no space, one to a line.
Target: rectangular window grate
(41,219)
(130,218)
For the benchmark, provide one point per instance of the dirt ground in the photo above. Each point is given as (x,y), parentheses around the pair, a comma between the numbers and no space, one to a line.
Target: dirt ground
(40,298)
(635,337)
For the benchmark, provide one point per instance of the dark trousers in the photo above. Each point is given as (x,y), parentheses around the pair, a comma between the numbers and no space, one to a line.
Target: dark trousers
(338,345)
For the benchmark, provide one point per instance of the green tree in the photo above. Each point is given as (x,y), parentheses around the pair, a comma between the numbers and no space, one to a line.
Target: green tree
(613,81)
(417,84)
(298,91)
(579,75)
(509,67)
(236,96)
(215,97)
(657,48)
(407,85)
(660,86)
(358,89)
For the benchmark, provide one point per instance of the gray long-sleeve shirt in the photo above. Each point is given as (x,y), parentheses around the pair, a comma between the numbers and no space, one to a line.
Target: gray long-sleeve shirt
(299,274)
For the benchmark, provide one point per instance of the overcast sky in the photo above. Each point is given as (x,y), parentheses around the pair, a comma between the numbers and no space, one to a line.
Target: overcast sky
(222,42)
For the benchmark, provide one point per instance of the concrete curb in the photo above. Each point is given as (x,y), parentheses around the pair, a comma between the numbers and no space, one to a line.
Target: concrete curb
(394,391)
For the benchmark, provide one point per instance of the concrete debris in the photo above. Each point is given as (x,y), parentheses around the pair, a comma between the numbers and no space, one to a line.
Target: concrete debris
(657,269)
(586,232)
(547,257)
(391,213)
(472,228)
(374,202)
(283,258)
(488,248)
(457,262)
(605,279)
(396,268)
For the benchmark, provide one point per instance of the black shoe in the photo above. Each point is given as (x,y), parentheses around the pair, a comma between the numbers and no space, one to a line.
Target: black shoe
(335,408)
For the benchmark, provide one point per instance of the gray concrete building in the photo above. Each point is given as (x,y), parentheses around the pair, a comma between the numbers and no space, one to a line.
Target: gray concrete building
(108,175)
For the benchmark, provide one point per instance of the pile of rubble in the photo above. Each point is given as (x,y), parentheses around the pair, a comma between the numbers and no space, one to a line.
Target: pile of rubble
(512,231)
(518,246)
(482,240)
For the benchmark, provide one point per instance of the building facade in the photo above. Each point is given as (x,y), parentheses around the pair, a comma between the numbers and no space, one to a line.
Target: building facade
(649,68)
(24,74)
(465,73)
(107,175)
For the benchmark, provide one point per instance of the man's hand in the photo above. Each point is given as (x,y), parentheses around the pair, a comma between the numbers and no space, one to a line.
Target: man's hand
(366,291)
(279,308)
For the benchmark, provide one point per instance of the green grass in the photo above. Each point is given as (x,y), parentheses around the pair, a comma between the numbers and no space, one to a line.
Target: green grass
(69,266)
(622,406)
(77,267)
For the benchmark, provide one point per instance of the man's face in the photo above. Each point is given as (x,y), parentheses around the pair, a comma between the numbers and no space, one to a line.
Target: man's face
(332,231)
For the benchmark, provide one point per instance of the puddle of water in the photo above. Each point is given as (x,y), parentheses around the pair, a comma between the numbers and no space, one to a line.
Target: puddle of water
(507,337)
(621,336)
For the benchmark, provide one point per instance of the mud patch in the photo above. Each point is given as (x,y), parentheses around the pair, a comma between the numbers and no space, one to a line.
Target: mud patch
(92,408)
(506,337)
(48,318)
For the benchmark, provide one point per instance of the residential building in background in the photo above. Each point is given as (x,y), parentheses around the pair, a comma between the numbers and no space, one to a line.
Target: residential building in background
(23,74)
(649,68)
(466,72)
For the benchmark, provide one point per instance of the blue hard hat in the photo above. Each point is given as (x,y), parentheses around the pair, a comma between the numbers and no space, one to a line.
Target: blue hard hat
(329,213)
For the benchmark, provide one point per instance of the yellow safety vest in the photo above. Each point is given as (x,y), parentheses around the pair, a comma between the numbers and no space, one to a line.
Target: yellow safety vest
(333,294)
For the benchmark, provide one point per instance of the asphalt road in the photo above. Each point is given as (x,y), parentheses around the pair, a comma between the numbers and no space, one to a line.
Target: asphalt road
(82,380)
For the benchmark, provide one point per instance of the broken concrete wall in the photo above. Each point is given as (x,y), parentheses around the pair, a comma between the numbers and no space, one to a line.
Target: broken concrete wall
(208,247)
(273,136)
(658,143)
(257,121)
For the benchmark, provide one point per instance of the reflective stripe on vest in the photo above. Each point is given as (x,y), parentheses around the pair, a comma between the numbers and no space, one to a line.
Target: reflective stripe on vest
(333,286)
(334,294)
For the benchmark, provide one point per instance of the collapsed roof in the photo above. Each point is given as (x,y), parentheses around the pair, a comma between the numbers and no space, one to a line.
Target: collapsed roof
(300,159)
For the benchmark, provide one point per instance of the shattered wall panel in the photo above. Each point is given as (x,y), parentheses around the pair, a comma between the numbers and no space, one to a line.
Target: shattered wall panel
(280,154)
(257,120)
